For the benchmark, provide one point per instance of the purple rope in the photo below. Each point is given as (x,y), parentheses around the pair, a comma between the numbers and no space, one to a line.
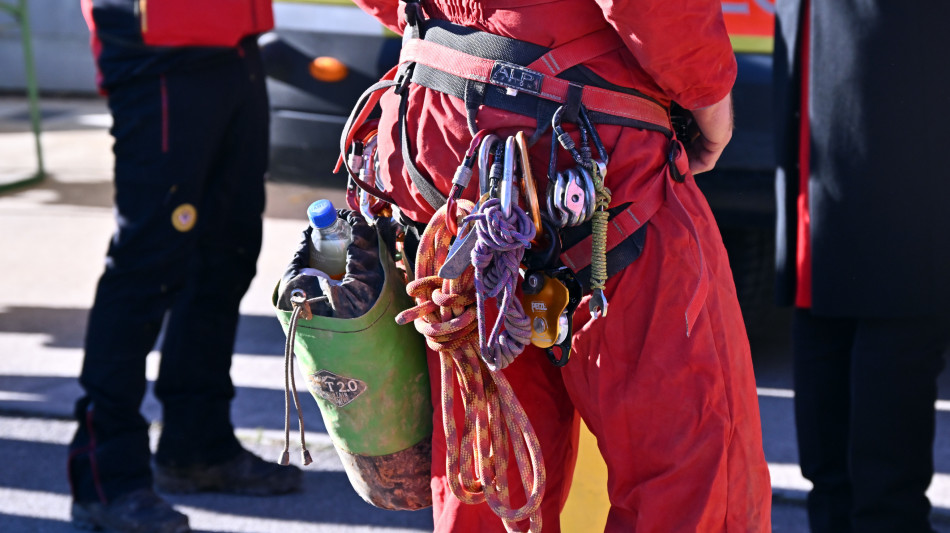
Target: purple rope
(497,256)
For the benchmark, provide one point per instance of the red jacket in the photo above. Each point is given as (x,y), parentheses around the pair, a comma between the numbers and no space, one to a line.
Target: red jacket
(132,38)
(675,50)
(185,22)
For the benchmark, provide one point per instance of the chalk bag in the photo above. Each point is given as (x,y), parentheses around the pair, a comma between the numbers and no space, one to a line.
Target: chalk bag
(367,374)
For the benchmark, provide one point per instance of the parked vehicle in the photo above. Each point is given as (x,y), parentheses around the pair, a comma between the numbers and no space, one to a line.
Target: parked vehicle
(311,100)
(741,189)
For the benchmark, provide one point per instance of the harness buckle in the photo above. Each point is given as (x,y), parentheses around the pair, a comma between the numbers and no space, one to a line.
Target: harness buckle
(403,77)
(516,78)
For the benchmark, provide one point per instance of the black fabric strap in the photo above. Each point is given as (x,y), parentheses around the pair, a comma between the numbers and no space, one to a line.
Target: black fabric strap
(426,188)
(618,258)
(499,48)
(474,96)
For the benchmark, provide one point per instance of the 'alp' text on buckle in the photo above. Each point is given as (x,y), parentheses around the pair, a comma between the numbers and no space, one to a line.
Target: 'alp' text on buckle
(515,78)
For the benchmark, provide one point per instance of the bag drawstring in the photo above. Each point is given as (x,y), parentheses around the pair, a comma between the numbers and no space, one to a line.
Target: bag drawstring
(301,307)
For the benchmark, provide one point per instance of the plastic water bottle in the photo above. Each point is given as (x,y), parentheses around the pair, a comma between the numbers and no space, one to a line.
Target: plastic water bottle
(330,238)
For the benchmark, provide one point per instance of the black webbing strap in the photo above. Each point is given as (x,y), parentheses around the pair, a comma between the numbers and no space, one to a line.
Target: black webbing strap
(618,257)
(499,48)
(426,188)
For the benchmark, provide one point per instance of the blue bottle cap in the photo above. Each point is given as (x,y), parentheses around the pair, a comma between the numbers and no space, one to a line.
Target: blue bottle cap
(321,213)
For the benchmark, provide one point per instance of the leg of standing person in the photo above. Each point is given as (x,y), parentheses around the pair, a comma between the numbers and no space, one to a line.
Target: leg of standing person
(109,455)
(198,449)
(894,369)
(822,375)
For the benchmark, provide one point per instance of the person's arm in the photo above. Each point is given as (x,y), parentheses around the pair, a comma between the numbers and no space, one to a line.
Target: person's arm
(385,11)
(713,130)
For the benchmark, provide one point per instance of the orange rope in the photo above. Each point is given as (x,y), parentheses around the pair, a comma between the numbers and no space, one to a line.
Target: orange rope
(477,460)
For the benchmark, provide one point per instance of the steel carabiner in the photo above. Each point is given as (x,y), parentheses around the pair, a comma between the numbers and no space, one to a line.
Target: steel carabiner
(598,304)
(506,189)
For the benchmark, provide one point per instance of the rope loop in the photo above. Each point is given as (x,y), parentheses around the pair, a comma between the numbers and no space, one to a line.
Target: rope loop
(496,425)
(598,263)
(497,257)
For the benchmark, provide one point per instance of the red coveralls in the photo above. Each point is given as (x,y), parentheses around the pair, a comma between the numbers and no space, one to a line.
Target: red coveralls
(670,395)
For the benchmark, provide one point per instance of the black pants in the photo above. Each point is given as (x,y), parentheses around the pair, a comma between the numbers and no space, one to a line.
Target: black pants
(190,156)
(864,409)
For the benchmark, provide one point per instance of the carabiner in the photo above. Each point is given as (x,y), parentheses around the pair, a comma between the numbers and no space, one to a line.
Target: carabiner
(598,304)
(528,186)
(506,189)
(484,164)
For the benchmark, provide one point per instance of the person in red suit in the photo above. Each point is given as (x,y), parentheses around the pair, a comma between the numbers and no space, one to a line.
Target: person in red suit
(664,380)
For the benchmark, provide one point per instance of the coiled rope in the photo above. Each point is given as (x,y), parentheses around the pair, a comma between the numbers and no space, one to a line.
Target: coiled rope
(497,256)
(477,459)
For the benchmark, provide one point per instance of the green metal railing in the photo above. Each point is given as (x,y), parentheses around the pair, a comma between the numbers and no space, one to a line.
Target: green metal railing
(18,9)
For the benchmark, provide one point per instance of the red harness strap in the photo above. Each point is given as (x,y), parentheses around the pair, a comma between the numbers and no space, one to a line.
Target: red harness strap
(493,72)
(660,190)
(577,51)
(621,226)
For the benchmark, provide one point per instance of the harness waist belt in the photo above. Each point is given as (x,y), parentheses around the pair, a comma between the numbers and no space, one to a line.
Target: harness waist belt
(515,79)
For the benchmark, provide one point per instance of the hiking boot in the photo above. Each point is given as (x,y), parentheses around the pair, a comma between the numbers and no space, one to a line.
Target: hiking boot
(244,474)
(140,511)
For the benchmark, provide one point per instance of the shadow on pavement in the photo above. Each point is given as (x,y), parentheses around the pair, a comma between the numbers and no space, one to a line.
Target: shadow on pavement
(35,466)
(255,408)
(66,328)
(34,525)
(94,193)
(327,497)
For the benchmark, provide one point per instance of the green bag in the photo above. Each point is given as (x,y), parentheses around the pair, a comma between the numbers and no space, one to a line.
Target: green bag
(370,380)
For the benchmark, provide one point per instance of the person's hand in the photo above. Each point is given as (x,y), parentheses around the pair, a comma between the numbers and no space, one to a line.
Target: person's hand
(711,132)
